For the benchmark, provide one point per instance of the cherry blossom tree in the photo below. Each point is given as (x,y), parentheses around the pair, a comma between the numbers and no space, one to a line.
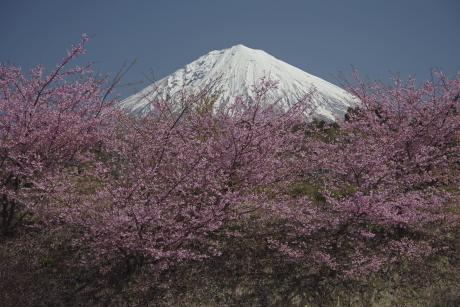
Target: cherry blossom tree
(48,124)
(175,178)
(387,179)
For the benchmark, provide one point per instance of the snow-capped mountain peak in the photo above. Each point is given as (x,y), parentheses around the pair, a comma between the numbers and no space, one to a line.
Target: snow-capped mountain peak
(241,67)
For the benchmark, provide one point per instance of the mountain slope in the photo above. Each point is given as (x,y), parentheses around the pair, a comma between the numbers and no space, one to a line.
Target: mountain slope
(241,67)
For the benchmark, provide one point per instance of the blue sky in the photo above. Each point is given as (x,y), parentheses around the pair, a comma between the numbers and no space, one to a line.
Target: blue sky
(321,37)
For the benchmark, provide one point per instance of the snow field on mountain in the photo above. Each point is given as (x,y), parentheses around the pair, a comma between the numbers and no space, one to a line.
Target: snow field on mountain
(241,67)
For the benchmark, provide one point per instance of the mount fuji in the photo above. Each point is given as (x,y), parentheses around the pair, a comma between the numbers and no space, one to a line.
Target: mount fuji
(241,67)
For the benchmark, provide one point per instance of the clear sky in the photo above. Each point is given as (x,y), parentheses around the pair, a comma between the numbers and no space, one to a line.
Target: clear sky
(321,37)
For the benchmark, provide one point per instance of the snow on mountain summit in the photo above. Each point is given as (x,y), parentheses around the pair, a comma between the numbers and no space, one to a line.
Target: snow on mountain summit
(241,67)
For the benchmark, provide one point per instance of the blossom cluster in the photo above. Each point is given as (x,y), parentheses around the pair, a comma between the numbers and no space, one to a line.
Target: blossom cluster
(354,196)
